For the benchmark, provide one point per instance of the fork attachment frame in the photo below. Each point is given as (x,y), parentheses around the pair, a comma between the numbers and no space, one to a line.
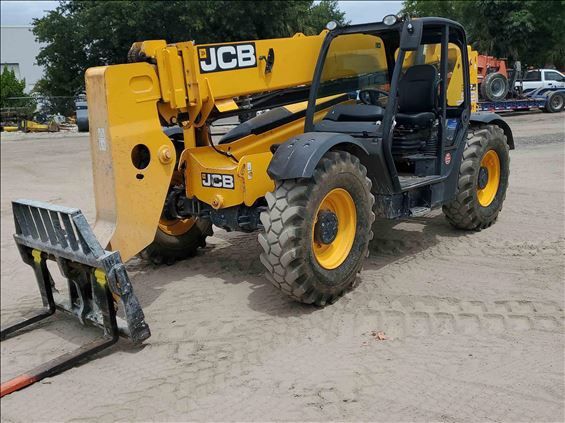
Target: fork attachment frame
(97,282)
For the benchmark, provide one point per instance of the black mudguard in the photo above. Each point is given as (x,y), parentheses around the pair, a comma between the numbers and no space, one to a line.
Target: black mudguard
(298,157)
(494,119)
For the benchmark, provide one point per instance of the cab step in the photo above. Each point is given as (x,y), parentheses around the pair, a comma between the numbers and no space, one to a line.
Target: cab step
(419,211)
(410,181)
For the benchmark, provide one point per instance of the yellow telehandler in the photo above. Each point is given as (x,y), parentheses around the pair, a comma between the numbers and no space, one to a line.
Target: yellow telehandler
(362,120)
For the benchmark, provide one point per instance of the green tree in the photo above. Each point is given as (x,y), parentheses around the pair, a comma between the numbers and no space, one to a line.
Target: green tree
(10,86)
(527,30)
(80,34)
(441,8)
(11,92)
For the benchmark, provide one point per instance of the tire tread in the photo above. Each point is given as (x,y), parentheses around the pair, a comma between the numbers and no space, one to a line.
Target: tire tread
(282,249)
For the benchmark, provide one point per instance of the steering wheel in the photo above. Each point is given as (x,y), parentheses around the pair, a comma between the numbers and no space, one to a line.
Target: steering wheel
(371,96)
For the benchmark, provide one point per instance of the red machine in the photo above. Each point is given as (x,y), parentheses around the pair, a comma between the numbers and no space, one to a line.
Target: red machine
(489,64)
(493,78)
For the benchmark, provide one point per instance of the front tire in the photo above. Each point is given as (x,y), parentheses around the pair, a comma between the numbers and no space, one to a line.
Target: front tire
(317,231)
(483,180)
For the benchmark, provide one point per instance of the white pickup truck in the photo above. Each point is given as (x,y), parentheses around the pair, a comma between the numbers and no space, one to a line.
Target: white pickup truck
(538,78)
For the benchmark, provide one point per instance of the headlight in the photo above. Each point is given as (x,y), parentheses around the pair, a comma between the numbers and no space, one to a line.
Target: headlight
(331,25)
(390,20)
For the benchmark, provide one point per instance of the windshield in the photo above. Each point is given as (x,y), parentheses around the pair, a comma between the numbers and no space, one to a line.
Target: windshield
(354,62)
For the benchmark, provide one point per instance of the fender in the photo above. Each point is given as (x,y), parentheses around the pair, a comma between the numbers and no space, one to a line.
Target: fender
(494,119)
(298,157)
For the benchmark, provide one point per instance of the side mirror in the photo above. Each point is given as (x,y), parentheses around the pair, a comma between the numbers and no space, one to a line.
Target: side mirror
(411,35)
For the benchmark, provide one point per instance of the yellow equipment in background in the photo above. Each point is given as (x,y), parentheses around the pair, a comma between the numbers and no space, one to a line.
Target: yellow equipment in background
(32,126)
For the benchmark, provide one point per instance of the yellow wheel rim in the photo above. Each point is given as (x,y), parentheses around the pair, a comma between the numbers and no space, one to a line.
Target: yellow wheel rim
(490,166)
(176,227)
(332,255)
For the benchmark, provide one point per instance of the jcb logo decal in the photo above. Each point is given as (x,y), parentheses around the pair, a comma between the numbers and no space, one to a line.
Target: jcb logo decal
(227,57)
(217,180)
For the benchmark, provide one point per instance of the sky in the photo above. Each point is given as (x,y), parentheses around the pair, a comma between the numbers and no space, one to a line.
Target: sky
(22,12)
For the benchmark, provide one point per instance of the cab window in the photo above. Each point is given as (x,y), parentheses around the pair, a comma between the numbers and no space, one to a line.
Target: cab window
(354,62)
(533,76)
(553,76)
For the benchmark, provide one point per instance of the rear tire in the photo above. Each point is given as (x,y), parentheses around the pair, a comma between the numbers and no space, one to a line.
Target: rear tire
(474,207)
(555,102)
(297,261)
(494,87)
(167,248)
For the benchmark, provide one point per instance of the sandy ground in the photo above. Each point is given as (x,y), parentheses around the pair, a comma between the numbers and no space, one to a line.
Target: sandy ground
(475,320)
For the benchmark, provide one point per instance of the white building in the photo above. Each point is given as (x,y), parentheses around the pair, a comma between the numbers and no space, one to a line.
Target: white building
(18,50)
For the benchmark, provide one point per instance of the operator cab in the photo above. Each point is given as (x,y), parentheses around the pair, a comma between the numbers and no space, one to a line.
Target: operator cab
(407,85)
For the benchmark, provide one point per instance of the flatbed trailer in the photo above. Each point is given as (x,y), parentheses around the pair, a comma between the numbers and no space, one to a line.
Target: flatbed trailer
(548,99)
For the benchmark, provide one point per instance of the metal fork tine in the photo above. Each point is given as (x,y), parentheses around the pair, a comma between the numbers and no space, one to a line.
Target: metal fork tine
(97,280)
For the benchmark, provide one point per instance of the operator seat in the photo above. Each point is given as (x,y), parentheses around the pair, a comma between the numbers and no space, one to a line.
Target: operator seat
(417,96)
